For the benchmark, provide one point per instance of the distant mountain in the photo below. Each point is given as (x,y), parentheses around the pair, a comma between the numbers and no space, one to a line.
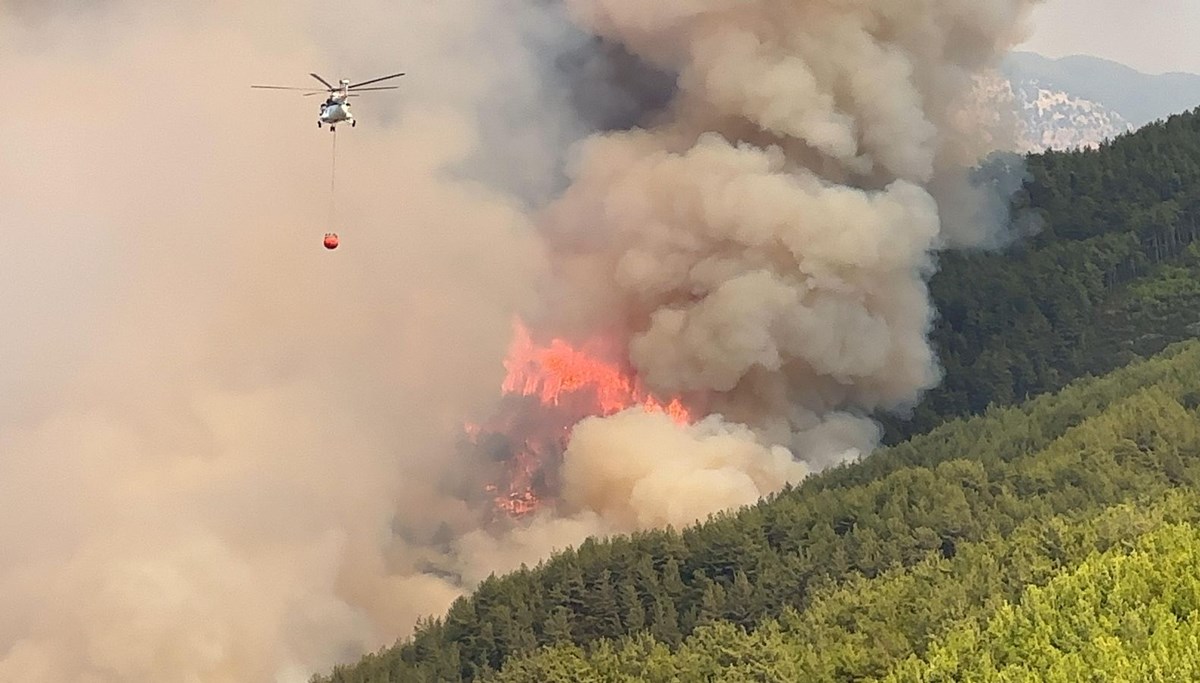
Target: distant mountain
(1056,119)
(1080,101)
(1048,119)
(1137,97)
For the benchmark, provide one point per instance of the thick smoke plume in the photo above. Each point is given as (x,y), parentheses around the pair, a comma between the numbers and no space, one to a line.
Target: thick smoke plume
(765,244)
(228,455)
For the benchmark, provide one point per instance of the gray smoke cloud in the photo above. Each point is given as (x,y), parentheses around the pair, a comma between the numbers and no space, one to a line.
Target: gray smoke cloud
(229,455)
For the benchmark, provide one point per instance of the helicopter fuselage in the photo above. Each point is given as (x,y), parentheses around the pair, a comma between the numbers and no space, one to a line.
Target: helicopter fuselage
(336,112)
(336,109)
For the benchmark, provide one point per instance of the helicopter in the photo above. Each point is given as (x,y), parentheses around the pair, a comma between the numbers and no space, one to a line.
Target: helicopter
(336,108)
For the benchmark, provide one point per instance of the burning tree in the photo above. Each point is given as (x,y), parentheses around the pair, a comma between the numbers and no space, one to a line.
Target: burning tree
(546,391)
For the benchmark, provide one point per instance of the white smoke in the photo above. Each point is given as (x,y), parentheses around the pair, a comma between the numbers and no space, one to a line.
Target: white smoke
(692,471)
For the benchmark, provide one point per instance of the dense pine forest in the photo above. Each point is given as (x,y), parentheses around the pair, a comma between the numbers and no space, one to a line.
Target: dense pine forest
(1110,277)
(1036,518)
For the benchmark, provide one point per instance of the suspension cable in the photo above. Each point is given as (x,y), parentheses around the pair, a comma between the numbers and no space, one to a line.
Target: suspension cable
(333,183)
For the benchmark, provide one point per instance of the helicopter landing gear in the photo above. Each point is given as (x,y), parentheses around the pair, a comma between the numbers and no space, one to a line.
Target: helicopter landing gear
(353,124)
(318,123)
(333,129)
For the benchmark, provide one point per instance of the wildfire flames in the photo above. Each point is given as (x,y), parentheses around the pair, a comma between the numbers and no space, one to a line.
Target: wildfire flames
(548,389)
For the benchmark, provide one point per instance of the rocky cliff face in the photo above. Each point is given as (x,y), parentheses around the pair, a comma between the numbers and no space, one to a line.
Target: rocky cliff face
(1054,119)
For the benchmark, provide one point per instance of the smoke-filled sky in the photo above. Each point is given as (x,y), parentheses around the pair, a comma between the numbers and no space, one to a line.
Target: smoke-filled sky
(208,422)
(1154,37)
(227,454)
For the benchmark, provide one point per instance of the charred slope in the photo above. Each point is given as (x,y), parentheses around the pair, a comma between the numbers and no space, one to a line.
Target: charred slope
(1098,443)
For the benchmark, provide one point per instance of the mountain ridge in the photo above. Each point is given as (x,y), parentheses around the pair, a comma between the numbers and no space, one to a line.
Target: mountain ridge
(1136,96)
(1079,101)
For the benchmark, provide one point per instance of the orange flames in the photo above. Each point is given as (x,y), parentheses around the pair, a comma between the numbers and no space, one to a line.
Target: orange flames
(568,385)
(551,371)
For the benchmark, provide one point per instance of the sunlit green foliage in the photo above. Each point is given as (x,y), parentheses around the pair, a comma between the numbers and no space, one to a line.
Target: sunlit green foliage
(941,612)
(1124,615)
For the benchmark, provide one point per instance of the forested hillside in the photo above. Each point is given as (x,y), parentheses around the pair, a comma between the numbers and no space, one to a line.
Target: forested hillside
(1110,277)
(1130,613)
(894,566)
(1113,591)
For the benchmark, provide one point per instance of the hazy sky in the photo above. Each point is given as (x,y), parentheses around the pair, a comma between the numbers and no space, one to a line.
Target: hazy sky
(1154,37)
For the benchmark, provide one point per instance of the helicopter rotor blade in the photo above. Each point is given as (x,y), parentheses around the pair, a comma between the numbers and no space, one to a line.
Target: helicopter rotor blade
(373,80)
(323,81)
(385,87)
(278,87)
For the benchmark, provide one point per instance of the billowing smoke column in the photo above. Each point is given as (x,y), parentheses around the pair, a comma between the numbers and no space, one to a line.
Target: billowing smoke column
(764,244)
